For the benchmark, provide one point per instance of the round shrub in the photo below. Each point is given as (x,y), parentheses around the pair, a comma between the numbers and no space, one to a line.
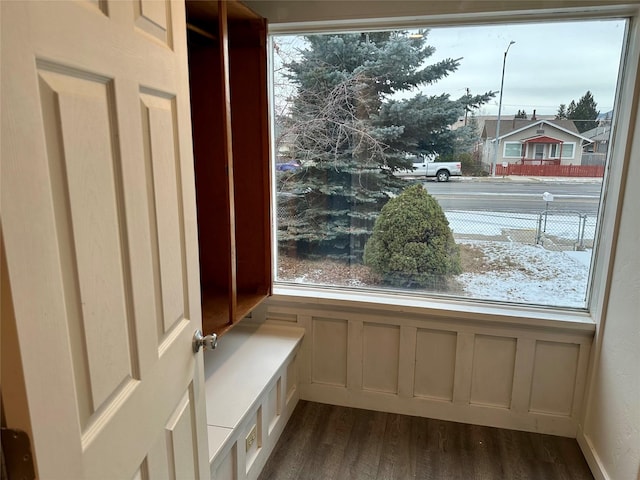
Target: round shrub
(412,244)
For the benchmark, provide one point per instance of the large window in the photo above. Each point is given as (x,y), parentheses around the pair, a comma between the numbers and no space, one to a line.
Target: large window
(360,118)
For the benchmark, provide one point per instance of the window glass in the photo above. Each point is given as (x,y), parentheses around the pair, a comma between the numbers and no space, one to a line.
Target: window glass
(387,173)
(567,150)
(512,149)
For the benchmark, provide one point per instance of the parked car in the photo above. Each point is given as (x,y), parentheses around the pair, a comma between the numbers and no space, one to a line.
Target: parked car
(441,171)
(288,166)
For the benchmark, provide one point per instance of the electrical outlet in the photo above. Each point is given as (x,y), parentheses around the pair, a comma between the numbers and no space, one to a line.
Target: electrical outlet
(253,433)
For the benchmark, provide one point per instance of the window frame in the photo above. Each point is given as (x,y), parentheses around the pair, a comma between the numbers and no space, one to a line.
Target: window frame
(522,148)
(573,151)
(612,187)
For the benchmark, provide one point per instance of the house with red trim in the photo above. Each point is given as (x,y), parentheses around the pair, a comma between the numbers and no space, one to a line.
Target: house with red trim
(533,142)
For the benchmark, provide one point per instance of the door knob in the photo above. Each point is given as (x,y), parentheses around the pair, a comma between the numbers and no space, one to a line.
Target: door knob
(209,342)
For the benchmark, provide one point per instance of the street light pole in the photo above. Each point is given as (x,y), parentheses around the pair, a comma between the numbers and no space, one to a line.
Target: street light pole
(497,143)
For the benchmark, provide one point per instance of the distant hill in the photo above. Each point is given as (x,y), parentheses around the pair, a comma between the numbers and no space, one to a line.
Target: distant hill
(605,115)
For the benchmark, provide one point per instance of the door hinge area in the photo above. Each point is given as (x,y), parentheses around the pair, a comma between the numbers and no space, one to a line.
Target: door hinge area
(17,458)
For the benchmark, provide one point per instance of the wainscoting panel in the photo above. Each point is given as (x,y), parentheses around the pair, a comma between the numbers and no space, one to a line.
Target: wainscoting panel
(380,357)
(435,364)
(504,373)
(554,377)
(493,365)
(329,351)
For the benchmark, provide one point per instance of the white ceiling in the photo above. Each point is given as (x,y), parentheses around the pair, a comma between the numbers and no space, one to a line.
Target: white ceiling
(285,14)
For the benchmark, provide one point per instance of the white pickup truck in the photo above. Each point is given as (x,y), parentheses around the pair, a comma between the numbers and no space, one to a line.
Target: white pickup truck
(440,170)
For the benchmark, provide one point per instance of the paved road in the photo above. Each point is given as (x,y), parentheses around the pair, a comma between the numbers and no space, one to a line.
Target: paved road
(509,195)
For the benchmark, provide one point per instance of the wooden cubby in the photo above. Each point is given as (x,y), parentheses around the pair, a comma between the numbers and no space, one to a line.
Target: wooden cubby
(228,82)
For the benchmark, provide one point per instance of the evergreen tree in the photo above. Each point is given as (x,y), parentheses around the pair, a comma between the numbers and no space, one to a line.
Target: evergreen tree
(467,137)
(349,135)
(583,113)
(562,112)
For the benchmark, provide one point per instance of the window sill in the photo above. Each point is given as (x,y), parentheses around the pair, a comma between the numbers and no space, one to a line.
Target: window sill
(468,311)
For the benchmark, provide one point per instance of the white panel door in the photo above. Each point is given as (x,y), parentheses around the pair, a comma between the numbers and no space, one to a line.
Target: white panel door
(98,220)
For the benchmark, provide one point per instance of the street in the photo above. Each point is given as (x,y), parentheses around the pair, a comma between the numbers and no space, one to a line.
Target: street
(516,195)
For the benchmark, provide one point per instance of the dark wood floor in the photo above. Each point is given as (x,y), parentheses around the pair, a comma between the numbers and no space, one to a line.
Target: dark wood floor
(330,442)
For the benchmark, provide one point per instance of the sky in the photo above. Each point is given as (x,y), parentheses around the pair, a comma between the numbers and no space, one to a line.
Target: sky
(548,64)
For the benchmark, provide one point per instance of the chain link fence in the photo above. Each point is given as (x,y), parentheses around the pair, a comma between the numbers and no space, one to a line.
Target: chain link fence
(554,230)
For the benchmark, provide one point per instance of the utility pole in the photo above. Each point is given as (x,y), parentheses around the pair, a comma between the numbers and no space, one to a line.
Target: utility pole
(466,109)
(497,143)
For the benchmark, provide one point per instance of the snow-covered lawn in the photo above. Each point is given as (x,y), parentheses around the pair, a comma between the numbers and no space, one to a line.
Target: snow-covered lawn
(523,272)
(528,274)
(511,267)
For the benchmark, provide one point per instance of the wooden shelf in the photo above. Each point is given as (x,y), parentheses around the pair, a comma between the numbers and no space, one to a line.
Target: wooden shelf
(215,312)
(228,82)
(216,309)
(248,301)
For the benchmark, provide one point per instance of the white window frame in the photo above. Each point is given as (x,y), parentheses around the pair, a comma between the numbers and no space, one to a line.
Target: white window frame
(573,152)
(628,113)
(504,149)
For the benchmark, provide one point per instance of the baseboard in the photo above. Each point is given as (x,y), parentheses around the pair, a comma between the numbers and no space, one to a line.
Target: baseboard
(590,455)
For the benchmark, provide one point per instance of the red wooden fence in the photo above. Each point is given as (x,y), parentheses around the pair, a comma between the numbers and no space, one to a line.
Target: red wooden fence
(551,170)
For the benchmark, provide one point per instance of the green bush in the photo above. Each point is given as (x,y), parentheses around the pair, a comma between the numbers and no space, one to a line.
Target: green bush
(412,244)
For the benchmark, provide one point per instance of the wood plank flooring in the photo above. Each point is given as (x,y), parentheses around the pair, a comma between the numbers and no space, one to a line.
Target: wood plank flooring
(330,442)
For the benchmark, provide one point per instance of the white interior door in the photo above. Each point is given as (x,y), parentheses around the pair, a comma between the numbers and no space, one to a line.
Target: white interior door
(98,220)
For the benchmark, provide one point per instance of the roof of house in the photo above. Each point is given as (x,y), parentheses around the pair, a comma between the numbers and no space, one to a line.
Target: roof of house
(541,139)
(598,134)
(509,126)
(481,119)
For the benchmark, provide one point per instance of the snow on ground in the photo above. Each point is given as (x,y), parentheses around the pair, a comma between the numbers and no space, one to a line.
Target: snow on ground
(525,274)
(583,257)
(520,271)
(529,274)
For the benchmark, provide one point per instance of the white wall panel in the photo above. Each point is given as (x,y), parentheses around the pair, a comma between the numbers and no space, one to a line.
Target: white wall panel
(554,377)
(381,349)
(509,375)
(273,405)
(292,380)
(329,339)
(493,365)
(435,364)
